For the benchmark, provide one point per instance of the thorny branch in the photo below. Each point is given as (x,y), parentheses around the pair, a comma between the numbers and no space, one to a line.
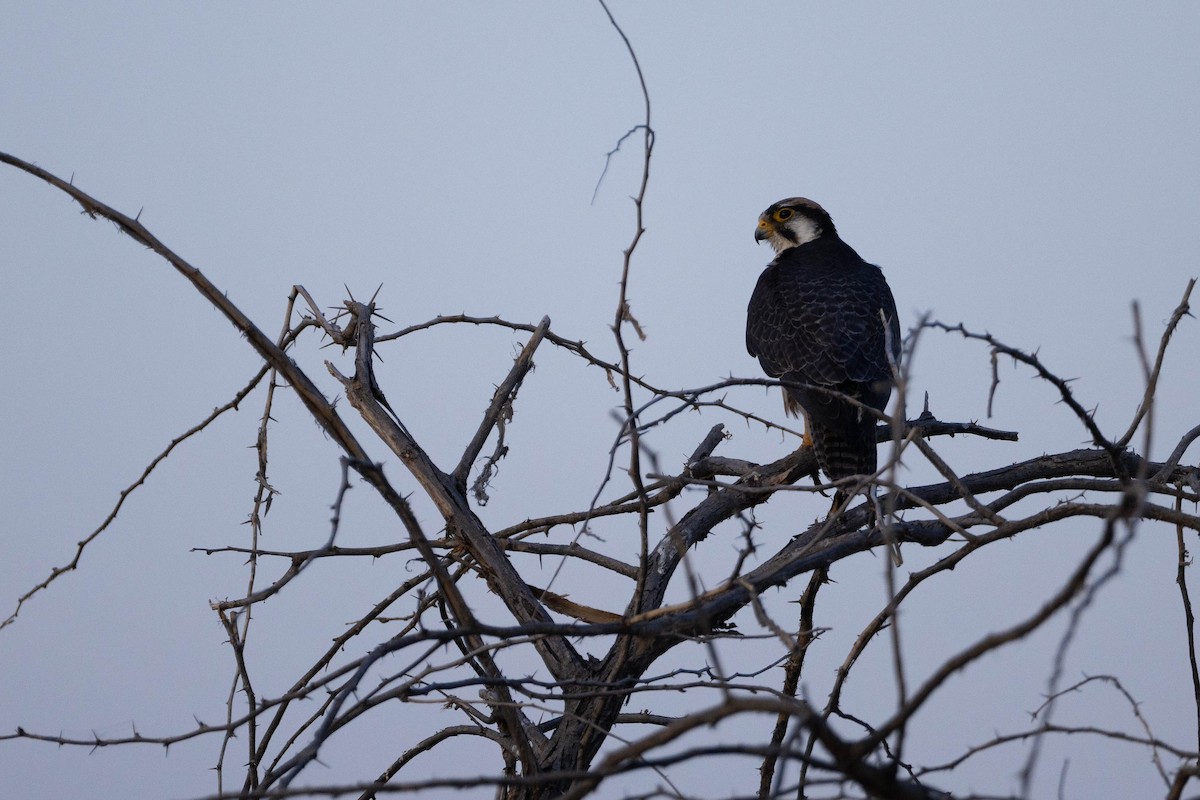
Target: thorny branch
(548,680)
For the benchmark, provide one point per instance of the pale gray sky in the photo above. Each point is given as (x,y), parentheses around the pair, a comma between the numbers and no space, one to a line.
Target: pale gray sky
(1027,169)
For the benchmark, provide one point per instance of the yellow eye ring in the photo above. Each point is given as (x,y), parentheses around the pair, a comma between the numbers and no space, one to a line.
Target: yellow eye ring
(783,214)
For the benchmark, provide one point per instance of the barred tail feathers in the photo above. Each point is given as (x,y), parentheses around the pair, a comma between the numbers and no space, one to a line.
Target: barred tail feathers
(844,451)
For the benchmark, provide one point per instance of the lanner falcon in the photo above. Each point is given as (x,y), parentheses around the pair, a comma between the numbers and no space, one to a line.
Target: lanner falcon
(822,320)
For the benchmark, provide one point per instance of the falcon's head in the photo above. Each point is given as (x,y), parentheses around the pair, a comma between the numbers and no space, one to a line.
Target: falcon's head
(793,222)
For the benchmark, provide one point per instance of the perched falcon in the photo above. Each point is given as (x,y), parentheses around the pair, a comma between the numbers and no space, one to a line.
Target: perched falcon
(822,317)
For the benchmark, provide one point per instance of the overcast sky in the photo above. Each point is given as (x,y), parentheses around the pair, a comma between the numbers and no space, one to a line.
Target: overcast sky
(1027,169)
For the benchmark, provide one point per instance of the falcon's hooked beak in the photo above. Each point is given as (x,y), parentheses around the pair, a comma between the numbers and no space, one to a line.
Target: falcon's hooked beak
(762,231)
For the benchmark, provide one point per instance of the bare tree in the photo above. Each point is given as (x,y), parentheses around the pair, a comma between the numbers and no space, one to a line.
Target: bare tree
(552,684)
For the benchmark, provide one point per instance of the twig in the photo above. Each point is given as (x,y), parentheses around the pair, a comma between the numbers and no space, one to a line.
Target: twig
(793,667)
(1154,371)
(505,393)
(128,490)
(1184,560)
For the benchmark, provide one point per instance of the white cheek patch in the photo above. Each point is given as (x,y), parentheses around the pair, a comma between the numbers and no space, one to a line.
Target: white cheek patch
(803,229)
(778,243)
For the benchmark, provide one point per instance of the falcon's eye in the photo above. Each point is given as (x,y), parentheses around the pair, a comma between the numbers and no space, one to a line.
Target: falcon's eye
(783,214)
